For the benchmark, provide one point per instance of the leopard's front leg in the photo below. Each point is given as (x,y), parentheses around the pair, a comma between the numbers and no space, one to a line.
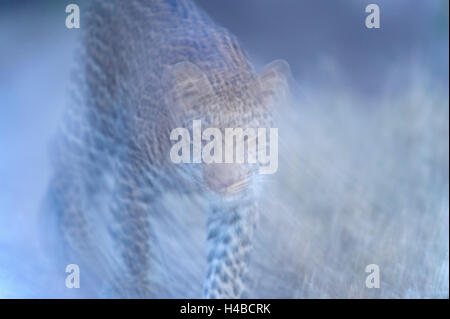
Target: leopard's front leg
(231,222)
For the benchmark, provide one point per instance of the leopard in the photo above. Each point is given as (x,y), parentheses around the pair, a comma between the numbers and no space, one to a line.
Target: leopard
(143,68)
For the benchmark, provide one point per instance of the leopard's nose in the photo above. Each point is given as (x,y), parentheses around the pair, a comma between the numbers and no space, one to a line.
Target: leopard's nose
(227,179)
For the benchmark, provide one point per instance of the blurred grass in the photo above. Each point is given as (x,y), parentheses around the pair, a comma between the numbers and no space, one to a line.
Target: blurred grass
(360,181)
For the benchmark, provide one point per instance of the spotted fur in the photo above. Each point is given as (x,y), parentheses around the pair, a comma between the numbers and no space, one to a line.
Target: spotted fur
(147,67)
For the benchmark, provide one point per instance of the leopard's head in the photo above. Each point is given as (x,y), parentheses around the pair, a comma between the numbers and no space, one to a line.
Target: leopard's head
(228,100)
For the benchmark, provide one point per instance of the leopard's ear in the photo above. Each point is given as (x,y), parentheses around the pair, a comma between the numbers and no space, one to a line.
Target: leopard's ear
(187,85)
(273,82)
